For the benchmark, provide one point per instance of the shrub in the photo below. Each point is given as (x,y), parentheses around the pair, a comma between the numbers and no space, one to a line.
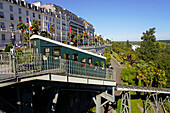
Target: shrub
(8,47)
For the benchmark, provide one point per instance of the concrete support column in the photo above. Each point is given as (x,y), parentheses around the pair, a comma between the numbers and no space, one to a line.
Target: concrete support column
(54,103)
(98,104)
(18,100)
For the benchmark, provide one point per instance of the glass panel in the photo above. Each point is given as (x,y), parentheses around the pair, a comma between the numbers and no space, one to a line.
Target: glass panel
(57,53)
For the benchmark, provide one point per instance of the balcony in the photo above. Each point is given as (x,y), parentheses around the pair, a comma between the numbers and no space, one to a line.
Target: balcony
(3,29)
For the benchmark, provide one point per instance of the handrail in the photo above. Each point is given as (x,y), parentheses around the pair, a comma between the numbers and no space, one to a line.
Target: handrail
(23,64)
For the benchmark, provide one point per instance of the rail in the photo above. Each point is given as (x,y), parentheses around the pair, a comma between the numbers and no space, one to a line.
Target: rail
(20,64)
(121,87)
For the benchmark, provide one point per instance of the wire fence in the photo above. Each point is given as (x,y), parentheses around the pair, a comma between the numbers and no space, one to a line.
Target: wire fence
(24,64)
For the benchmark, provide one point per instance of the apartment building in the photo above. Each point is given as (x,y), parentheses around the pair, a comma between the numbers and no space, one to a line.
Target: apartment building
(15,11)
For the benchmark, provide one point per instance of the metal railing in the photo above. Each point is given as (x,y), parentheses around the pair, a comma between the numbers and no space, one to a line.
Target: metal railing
(25,64)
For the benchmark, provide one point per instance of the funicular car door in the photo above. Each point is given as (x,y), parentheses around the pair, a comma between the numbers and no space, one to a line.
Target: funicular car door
(47,59)
(57,57)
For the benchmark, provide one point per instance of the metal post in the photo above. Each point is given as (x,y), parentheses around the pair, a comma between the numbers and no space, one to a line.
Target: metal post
(47,62)
(154,104)
(113,93)
(125,103)
(98,104)
(14,64)
(69,67)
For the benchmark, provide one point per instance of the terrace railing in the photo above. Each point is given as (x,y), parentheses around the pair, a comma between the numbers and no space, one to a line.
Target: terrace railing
(20,64)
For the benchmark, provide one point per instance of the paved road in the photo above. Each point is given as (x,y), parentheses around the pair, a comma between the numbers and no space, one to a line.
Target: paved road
(118,69)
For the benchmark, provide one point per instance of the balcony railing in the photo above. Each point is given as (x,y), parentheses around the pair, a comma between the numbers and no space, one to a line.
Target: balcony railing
(21,64)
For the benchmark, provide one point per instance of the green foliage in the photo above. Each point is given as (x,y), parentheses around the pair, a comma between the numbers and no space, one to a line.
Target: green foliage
(52,29)
(118,105)
(22,27)
(166,104)
(35,26)
(134,106)
(18,49)
(128,44)
(92,110)
(167,49)
(46,34)
(148,50)
(163,62)
(8,47)
(165,41)
(128,75)
(27,38)
(65,42)
(72,34)
(108,57)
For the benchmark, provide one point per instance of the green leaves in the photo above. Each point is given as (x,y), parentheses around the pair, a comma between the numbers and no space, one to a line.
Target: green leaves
(22,27)
(148,50)
(35,26)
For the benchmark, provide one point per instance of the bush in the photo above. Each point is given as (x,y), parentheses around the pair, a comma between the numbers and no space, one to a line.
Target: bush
(18,49)
(167,107)
(8,47)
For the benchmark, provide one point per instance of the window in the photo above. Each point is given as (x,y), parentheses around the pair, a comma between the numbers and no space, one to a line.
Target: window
(11,8)
(67,56)
(53,20)
(20,38)
(14,38)
(2,25)
(11,16)
(33,14)
(50,19)
(39,16)
(19,10)
(75,57)
(27,20)
(46,52)
(57,53)
(46,18)
(90,61)
(20,18)
(83,61)
(1,5)
(27,13)
(1,14)
(3,36)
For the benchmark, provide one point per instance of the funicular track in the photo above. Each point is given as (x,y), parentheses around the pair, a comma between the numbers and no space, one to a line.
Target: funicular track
(155,98)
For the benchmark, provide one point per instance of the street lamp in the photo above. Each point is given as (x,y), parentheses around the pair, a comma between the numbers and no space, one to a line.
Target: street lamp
(11,26)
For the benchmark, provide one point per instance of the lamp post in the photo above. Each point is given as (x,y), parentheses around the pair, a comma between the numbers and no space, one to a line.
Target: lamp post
(11,26)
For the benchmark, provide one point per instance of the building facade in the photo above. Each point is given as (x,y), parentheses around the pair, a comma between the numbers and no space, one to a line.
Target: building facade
(15,11)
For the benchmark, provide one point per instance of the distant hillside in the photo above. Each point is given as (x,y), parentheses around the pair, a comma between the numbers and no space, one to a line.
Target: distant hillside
(166,41)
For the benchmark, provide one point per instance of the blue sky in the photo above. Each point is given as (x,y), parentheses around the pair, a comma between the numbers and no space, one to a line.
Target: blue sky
(121,20)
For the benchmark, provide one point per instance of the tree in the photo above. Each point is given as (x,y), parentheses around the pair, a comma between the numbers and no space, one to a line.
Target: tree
(52,29)
(35,26)
(8,47)
(128,44)
(46,34)
(148,50)
(163,63)
(27,38)
(128,75)
(22,27)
